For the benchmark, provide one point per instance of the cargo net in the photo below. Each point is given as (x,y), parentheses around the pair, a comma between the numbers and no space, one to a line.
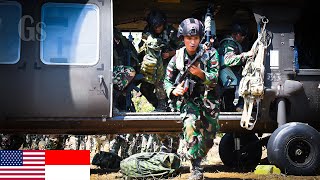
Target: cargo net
(251,86)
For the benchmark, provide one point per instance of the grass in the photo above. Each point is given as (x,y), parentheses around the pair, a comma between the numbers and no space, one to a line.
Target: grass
(141,103)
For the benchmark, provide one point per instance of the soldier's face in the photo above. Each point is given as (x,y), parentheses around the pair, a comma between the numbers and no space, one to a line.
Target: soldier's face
(239,37)
(158,29)
(191,43)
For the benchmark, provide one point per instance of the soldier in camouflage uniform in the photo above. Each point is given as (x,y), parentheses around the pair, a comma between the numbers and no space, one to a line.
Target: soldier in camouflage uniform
(123,144)
(165,35)
(56,141)
(122,76)
(232,58)
(199,109)
(122,73)
(11,141)
(157,27)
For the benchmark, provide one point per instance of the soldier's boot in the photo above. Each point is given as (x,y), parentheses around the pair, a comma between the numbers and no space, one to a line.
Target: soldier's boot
(162,106)
(195,170)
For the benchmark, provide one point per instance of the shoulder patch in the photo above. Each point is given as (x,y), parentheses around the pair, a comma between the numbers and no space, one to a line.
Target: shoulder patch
(230,48)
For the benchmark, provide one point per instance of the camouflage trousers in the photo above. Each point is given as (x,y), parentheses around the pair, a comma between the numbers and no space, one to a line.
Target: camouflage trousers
(125,144)
(199,128)
(11,141)
(169,142)
(150,143)
(156,142)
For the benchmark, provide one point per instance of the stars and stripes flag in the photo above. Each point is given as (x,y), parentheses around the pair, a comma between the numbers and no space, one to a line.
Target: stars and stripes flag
(44,164)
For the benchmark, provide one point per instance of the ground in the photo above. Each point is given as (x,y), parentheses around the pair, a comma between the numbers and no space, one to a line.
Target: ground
(214,169)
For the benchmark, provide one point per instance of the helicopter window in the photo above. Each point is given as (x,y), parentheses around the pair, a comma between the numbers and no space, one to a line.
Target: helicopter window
(10,14)
(70,34)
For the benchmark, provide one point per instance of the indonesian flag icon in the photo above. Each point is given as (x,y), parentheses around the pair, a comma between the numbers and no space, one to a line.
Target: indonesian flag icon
(45,165)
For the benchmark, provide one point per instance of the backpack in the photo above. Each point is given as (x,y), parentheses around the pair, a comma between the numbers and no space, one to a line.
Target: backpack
(107,160)
(150,165)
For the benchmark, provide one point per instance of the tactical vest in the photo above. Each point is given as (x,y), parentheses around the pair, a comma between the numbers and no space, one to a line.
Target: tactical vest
(229,77)
(198,88)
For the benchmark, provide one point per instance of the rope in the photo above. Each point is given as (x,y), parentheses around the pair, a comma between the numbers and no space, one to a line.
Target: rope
(252,84)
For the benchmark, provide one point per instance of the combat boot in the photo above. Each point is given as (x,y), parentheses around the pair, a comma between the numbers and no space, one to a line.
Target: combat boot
(195,170)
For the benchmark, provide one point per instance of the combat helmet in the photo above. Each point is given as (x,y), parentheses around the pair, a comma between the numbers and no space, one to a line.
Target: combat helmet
(156,18)
(190,27)
(240,28)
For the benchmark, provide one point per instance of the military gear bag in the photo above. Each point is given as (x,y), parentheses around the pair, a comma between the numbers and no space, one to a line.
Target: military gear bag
(150,165)
(228,78)
(107,160)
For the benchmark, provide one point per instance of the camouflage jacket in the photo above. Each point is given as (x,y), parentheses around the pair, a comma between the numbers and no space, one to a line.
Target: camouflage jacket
(208,63)
(168,37)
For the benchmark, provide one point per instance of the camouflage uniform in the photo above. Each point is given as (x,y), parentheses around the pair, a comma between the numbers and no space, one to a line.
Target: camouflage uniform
(55,141)
(76,142)
(11,141)
(123,74)
(169,42)
(231,56)
(200,122)
(123,143)
(150,143)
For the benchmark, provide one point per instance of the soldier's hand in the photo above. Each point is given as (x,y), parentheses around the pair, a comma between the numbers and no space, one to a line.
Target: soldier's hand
(208,45)
(249,53)
(179,91)
(195,70)
(246,56)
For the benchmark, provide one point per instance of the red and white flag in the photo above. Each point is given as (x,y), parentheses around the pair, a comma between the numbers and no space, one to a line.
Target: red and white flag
(47,164)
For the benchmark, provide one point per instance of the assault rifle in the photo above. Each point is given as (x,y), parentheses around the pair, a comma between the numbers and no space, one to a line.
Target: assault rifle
(209,27)
(188,83)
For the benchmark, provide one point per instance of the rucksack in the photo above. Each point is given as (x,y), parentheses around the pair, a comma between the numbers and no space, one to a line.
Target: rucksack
(107,160)
(150,165)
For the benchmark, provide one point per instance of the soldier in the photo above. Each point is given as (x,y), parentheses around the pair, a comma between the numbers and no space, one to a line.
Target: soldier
(158,28)
(231,61)
(123,143)
(196,90)
(122,76)
(11,141)
(55,141)
(165,34)
(124,70)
